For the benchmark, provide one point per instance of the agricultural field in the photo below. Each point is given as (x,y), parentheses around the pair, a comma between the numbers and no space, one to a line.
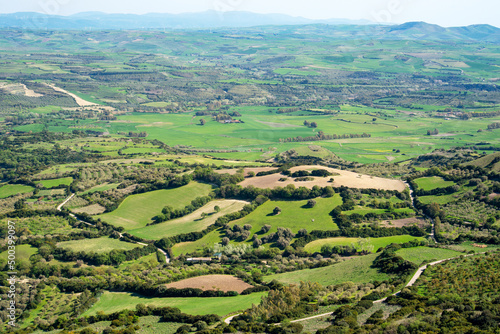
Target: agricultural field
(137,211)
(430,183)
(111,302)
(98,245)
(355,269)
(14,189)
(212,282)
(190,223)
(341,178)
(294,215)
(418,255)
(371,244)
(56,182)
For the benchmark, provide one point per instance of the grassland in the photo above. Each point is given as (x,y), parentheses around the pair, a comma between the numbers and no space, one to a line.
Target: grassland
(137,211)
(189,223)
(56,182)
(98,245)
(294,215)
(356,270)
(14,189)
(433,182)
(316,245)
(111,302)
(43,225)
(23,253)
(418,255)
(101,187)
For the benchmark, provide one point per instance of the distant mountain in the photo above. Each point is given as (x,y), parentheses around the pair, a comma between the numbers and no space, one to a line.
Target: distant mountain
(202,20)
(278,23)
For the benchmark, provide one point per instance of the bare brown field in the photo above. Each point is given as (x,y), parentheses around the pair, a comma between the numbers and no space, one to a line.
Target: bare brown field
(212,282)
(405,222)
(93,209)
(345,178)
(247,170)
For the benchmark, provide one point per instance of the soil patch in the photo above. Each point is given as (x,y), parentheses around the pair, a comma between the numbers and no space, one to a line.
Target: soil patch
(212,282)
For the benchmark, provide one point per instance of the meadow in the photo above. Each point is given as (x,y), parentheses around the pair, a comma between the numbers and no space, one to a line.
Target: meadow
(433,182)
(56,182)
(111,302)
(294,215)
(355,269)
(373,243)
(14,189)
(98,245)
(190,223)
(418,255)
(137,211)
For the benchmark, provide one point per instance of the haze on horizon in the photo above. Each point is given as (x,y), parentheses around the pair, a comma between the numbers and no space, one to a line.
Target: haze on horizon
(446,13)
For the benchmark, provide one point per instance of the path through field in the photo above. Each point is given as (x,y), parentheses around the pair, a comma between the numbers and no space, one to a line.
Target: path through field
(81,102)
(59,207)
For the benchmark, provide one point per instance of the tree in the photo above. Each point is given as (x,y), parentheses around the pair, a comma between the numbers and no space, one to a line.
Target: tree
(216,208)
(277,210)
(314,125)
(311,203)
(266,228)
(202,121)
(225,241)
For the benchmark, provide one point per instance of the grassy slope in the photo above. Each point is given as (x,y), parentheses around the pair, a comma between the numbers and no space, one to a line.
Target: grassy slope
(433,182)
(115,301)
(136,211)
(293,216)
(356,270)
(191,222)
(419,254)
(316,245)
(99,245)
(56,182)
(14,189)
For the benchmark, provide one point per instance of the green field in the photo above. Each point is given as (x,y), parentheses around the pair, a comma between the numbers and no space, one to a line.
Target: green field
(137,211)
(101,187)
(111,302)
(23,253)
(418,255)
(56,182)
(14,189)
(357,270)
(99,245)
(43,225)
(189,223)
(294,215)
(433,182)
(316,245)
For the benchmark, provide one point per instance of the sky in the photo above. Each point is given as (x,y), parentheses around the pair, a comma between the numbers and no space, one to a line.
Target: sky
(446,13)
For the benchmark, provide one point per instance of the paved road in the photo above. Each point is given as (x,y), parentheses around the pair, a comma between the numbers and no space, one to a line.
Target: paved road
(59,207)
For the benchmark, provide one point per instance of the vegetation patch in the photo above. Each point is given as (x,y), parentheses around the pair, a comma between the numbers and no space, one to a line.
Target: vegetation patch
(14,189)
(137,211)
(418,255)
(360,244)
(98,245)
(111,302)
(66,181)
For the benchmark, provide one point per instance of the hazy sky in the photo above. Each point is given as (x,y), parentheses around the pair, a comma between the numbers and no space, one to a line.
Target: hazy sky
(442,12)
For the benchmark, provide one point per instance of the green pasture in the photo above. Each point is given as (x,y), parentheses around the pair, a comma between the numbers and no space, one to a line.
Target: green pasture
(356,269)
(315,246)
(14,189)
(56,182)
(418,255)
(97,245)
(189,223)
(110,302)
(432,182)
(137,211)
